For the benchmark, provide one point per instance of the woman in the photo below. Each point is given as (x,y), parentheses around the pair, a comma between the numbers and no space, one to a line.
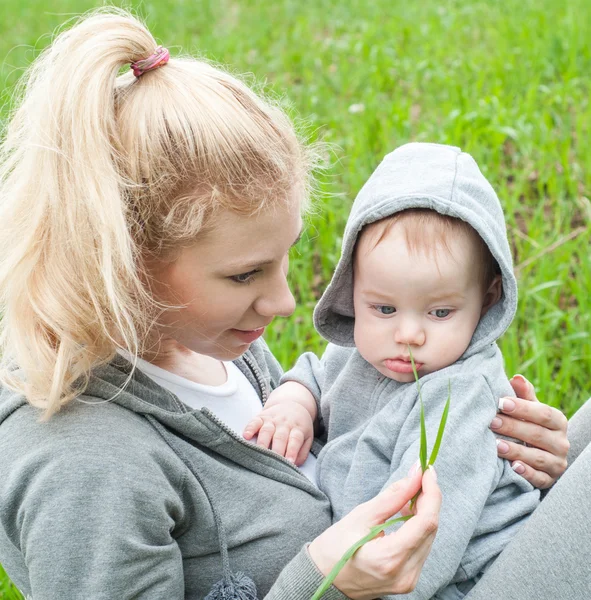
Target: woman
(151,214)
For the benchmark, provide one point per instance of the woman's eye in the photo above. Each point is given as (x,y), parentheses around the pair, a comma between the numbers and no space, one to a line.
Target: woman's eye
(385,310)
(244,277)
(441,313)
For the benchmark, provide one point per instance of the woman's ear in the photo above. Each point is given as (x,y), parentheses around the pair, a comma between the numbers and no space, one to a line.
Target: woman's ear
(492,295)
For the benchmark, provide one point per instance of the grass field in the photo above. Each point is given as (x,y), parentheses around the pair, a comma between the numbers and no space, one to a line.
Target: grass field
(508,81)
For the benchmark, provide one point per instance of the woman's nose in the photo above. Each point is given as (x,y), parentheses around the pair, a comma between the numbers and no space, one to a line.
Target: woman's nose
(277,299)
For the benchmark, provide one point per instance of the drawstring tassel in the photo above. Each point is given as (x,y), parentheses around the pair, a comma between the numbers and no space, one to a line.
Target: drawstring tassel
(238,587)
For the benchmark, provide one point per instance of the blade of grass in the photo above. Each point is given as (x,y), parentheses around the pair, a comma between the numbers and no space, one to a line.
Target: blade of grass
(441,429)
(423,449)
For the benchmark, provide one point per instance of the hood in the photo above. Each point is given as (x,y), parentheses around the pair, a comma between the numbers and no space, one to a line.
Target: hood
(440,178)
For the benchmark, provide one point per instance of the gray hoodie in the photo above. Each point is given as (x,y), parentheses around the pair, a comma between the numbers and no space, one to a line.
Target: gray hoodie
(372,423)
(142,497)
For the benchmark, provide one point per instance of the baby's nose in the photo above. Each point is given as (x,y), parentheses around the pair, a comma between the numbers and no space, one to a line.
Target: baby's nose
(410,332)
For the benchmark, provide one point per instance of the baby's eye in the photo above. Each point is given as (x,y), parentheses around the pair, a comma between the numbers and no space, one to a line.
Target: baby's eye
(385,310)
(441,313)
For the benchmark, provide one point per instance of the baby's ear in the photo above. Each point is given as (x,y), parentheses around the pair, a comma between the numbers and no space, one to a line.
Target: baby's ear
(492,295)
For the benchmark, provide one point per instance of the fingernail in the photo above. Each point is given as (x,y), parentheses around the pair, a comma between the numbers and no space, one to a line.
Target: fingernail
(496,423)
(506,405)
(502,446)
(518,468)
(432,470)
(415,468)
(518,375)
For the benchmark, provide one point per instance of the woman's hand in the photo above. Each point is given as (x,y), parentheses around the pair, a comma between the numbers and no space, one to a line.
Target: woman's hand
(389,564)
(541,427)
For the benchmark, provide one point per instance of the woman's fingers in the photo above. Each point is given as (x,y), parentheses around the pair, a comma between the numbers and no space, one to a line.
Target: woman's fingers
(538,479)
(523,388)
(405,551)
(426,519)
(535,435)
(390,501)
(532,458)
(541,427)
(534,412)
(390,564)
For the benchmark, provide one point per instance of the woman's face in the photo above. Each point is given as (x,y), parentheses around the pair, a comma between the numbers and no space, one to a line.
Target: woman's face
(232,282)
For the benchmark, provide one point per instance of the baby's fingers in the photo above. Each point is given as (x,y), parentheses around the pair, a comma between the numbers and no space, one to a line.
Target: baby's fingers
(266,433)
(252,427)
(280,439)
(294,445)
(304,451)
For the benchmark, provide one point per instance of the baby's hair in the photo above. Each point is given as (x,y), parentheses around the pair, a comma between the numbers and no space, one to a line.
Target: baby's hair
(428,231)
(100,171)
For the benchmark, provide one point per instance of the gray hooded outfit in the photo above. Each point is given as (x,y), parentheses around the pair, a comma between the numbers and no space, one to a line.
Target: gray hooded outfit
(372,423)
(131,494)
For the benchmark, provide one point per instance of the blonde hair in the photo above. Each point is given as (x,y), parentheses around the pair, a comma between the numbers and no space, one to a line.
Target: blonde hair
(428,231)
(98,171)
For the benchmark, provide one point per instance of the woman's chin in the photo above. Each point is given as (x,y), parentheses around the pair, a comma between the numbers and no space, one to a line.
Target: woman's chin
(229,352)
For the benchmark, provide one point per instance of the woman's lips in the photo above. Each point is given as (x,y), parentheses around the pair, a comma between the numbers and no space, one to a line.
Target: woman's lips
(398,365)
(248,336)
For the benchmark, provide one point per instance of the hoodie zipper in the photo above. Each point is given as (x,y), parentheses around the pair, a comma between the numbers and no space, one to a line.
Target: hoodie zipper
(258,376)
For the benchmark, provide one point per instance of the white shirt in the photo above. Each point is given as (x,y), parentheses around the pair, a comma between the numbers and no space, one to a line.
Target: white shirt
(235,402)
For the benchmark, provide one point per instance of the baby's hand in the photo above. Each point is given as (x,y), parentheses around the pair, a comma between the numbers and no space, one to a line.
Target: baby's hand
(286,427)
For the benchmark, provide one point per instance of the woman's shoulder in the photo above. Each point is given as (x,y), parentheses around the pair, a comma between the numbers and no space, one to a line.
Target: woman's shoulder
(87,435)
(93,483)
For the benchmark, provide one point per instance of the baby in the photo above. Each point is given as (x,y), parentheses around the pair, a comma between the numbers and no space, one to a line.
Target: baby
(425,268)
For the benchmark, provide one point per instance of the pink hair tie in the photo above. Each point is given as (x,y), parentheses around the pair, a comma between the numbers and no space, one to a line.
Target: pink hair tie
(158,59)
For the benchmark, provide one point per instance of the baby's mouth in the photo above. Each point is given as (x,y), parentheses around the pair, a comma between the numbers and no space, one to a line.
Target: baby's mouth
(401,365)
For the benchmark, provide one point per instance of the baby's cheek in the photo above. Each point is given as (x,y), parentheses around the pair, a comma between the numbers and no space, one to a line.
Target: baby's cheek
(369,342)
(455,343)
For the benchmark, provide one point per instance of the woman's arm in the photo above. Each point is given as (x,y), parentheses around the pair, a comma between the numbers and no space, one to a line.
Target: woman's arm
(549,557)
(90,510)
(543,428)
(390,564)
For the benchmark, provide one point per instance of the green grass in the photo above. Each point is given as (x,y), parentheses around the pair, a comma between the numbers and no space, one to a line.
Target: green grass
(508,81)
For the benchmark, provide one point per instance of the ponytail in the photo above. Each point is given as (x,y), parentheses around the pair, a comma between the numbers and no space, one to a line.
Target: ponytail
(98,170)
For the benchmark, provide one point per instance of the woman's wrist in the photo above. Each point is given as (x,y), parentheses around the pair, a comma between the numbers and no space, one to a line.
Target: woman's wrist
(300,579)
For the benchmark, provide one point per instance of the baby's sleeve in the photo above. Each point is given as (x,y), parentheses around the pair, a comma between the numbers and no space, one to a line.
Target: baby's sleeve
(318,375)
(309,372)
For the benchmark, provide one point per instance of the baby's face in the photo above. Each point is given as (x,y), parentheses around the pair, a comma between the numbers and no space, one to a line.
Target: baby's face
(407,299)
